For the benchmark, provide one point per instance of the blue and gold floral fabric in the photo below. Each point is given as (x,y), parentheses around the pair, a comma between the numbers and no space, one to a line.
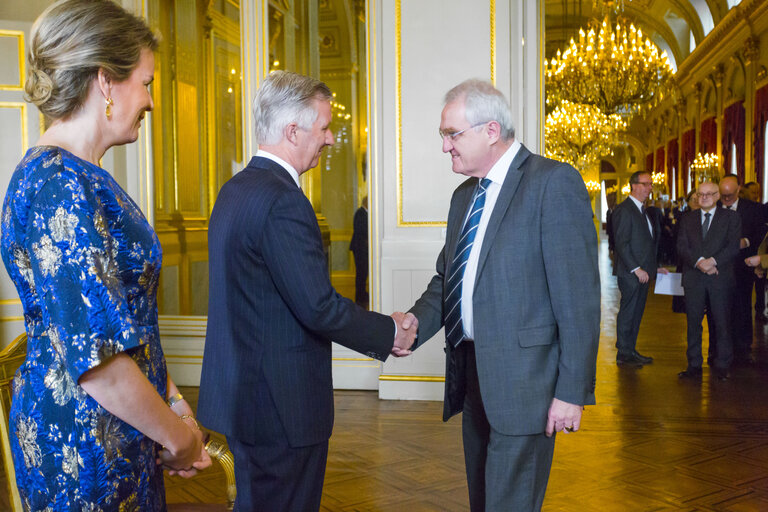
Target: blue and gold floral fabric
(85,262)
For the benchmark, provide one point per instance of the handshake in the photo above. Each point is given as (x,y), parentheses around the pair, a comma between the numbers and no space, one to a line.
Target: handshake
(407,328)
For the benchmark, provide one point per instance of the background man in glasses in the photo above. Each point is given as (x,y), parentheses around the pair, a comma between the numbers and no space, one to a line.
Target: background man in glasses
(708,245)
(518,291)
(753,230)
(636,243)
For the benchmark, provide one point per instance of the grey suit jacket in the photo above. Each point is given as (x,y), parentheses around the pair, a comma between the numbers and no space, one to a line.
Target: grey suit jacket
(536,297)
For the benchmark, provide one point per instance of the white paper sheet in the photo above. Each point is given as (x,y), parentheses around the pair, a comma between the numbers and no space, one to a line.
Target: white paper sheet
(669,284)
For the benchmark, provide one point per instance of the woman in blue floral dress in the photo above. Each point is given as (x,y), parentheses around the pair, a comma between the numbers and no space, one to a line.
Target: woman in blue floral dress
(89,418)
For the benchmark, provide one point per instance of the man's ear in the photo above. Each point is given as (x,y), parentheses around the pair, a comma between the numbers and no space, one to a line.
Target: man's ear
(291,133)
(494,131)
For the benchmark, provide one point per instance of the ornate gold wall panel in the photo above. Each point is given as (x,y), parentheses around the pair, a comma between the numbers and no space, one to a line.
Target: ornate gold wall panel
(12,44)
(197,138)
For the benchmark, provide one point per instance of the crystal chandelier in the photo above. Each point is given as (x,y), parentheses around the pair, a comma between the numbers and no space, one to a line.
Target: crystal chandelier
(705,168)
(613,68)
(581,134)
(593,187)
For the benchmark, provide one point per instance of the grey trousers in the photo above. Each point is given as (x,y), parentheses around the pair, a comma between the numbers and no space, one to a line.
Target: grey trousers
(504,473)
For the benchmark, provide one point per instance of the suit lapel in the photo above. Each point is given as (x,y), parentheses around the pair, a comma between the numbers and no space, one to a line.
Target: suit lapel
(645,220)
(717,224)
(507,193)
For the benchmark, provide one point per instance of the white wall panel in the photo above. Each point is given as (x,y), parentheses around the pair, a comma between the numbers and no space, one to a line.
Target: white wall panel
(418,50)
(435,37)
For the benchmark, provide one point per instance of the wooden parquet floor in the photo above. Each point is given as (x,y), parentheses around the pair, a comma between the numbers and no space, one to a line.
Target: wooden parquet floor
(652,443)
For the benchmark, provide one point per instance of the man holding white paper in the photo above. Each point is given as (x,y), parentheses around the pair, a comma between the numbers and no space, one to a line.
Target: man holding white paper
(636,236)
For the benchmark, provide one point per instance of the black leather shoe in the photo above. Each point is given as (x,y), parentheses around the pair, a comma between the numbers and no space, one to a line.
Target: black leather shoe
(720,374)
(690,373)
(628,360)
(643,359)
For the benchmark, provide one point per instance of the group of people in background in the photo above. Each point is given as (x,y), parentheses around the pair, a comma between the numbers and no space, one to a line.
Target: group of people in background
(715,237)
(96,418)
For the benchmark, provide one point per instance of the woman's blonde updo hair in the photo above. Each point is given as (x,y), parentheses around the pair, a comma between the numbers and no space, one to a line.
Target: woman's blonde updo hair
(70,41)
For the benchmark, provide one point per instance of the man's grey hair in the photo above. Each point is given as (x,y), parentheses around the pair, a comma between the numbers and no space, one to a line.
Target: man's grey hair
(284,98)
(483,103)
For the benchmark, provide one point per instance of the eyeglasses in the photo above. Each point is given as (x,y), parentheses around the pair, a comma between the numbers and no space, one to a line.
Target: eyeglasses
(453,135)
(706,194)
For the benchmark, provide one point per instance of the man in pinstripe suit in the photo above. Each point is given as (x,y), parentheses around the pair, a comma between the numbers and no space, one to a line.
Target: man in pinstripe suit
(266,380)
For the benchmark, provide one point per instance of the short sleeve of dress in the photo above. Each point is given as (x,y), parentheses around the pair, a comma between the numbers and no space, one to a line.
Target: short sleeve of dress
(73,258)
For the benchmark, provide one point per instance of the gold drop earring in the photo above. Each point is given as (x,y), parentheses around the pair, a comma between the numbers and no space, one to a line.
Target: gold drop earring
(108,109)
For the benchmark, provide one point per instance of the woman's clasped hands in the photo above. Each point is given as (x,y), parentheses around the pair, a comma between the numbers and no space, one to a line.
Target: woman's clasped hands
(188,456)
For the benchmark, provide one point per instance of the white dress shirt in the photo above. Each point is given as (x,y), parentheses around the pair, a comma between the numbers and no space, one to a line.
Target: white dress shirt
(285,165)
(640,207)
(497,174)
(711,217)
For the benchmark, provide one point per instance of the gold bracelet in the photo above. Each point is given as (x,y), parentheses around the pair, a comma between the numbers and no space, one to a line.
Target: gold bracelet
(174,399)
(187,416)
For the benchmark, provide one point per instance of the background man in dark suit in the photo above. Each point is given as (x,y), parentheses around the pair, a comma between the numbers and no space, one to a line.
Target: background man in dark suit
(359,247)
(636,245)
(753,230)
(518,291)
(266,380)
(708,245)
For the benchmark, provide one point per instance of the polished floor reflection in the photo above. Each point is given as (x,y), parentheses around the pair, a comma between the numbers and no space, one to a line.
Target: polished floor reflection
(652,443)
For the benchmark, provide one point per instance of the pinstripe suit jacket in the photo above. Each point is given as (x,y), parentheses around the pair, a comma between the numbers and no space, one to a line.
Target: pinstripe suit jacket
(536,299)
(273,313)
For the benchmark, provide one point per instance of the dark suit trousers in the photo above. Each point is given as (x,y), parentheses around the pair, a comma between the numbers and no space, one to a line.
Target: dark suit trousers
(273,476)
(278,478)
(631,307)
(503,472)
(361,278)
(716,295)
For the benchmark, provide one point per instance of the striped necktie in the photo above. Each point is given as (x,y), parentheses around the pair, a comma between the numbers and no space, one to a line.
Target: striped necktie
(454,329)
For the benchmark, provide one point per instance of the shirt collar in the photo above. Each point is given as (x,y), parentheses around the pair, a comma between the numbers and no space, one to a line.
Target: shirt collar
(637,203)
(282,163)
(498,172)
(734,206)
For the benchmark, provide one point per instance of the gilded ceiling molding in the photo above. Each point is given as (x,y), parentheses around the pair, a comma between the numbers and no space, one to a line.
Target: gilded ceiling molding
(751,50)
(691,17)
(739,15)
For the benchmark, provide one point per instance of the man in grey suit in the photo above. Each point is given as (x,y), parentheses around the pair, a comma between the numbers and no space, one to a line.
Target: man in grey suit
(518,291)
(636,243)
